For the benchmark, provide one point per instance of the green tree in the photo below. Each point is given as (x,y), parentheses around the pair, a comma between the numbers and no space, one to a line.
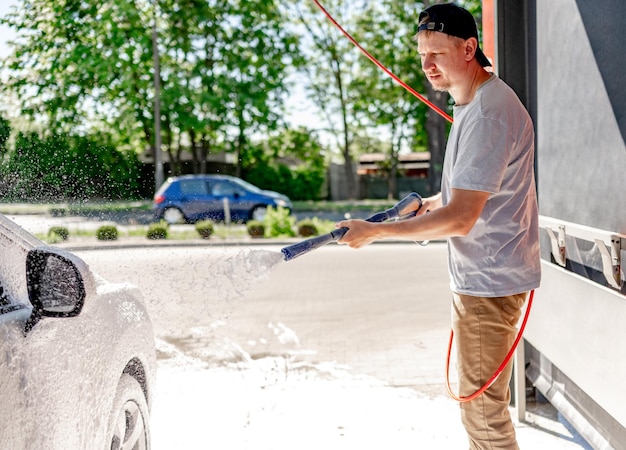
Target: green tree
(389,26)
(262,54)
(74,60)
(5,133)
(354,95)
(224,72)
(332,66)
(223,69)
(70,168)
(291,162)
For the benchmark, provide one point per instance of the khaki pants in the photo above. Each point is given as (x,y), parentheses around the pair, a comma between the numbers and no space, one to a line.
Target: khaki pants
(484,330)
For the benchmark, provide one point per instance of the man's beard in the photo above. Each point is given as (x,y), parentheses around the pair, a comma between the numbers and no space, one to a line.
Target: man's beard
(439,84)
(440,87)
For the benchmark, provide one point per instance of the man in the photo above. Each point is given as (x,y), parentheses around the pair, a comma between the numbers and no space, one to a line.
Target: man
(487,210)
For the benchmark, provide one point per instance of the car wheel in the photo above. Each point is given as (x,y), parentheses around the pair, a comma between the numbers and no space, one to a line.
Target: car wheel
(130,418)
(173,215)
(258,213)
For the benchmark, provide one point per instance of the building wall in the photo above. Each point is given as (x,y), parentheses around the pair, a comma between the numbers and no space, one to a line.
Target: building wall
(575,69)
(581,111)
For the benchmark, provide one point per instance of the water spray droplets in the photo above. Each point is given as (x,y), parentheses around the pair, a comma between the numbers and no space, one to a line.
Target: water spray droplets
(236,274)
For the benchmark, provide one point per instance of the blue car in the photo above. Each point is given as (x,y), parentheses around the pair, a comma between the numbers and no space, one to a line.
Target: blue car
(190,198)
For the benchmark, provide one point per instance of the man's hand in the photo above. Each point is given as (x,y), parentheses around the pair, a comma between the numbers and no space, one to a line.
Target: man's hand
(430,204)
(360,233)
(455,219)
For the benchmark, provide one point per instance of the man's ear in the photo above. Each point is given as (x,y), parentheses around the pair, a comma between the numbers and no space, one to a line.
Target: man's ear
(471,45)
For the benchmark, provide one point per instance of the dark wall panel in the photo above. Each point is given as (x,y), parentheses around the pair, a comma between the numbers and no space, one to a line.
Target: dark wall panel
(581,155)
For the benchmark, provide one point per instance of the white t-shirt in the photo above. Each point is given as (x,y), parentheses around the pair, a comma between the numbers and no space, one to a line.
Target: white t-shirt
(491,148)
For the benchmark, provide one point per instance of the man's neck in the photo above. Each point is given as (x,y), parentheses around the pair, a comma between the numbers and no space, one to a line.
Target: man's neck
(465,93)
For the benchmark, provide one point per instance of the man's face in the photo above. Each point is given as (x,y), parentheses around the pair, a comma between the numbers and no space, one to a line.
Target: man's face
(443,60)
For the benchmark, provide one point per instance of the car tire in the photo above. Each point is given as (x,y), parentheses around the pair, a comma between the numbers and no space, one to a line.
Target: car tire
(173,216)
(258,213)
(130,419)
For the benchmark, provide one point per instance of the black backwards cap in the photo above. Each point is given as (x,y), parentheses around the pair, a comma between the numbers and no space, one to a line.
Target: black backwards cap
(453,20)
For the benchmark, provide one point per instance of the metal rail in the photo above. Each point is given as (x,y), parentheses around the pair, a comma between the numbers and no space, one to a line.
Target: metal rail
(610,245)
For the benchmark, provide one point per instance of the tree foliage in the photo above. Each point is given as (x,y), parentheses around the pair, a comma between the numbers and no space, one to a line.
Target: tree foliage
(291,162)
(64,167)
(223,69)
(332,68)
(389,26)
(355,96)
(75,59)
(224,72)
(5,133)
(87,68)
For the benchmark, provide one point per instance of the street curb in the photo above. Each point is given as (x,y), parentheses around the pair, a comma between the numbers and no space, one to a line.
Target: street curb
(265,242)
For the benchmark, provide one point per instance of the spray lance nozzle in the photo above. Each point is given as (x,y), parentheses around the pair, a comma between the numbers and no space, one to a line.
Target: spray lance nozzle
(407,207)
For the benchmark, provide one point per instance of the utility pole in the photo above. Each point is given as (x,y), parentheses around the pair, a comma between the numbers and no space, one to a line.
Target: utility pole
(158,163)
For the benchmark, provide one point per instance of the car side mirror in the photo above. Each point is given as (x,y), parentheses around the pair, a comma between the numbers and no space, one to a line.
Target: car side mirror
(56,287)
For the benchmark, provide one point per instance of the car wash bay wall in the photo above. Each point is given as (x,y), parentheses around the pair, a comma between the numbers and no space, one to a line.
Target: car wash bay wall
(565,60)
(581,111)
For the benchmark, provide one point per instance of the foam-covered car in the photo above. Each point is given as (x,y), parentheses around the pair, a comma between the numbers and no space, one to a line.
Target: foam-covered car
(190,198)
(77,354)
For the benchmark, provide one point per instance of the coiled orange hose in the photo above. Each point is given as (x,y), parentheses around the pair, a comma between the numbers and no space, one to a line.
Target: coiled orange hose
(497,373)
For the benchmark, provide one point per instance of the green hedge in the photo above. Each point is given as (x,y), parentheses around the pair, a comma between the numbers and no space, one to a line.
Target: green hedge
(107,233)
(204,228)
(67,167)
(157,230)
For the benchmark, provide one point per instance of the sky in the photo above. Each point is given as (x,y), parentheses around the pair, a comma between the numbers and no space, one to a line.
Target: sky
(5,33)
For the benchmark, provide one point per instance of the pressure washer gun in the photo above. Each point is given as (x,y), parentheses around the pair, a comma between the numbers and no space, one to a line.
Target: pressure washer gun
(405,208)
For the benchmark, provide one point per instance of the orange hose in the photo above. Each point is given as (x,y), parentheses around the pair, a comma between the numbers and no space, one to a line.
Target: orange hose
(497,373)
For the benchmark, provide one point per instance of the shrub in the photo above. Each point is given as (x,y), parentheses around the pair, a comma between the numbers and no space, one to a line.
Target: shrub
(302,179)
(58,233)
(323,226)
(279,222)
(204,228)
(107,233)
(255,228)
(58,212)
(157,230)
(307,228)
